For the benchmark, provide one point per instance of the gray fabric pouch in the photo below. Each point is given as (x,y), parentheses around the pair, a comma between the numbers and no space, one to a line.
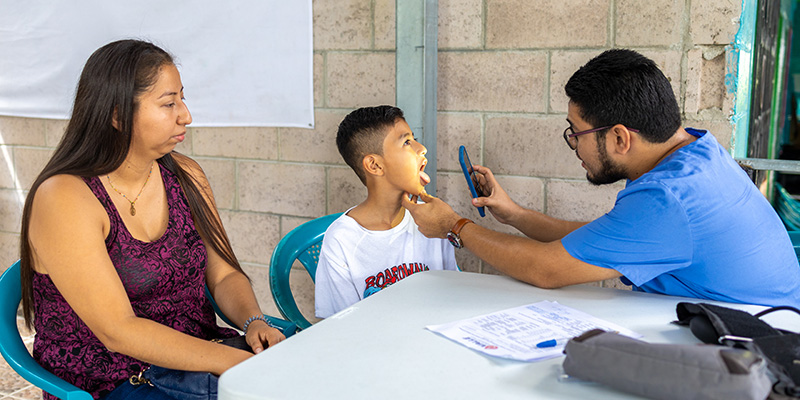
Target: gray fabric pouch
(667,371)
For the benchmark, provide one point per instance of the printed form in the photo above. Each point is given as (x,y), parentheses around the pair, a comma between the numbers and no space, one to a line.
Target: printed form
(527,333)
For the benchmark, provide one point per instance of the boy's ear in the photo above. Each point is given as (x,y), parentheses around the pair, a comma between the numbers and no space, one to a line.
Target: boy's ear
(373,164)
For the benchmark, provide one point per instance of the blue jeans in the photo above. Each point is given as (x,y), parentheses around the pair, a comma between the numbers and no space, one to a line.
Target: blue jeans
(169,385)
(127,391)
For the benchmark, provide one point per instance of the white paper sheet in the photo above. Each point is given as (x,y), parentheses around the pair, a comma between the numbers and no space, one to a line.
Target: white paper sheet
(515,333)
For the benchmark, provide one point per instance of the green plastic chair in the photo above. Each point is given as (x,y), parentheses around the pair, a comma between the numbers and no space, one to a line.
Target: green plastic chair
(787,208)
(16,354)
(14,350)
(302,244)
(795,237)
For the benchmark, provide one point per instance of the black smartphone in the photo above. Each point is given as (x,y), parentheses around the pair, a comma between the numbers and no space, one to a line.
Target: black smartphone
(470,175)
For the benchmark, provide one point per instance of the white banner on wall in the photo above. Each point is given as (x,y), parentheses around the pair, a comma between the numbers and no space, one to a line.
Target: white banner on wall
(243,63)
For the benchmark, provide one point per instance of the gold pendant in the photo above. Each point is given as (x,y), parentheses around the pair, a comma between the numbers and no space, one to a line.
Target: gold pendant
(133,210)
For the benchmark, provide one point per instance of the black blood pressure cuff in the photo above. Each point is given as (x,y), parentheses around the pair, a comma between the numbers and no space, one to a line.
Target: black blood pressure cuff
(735,328)
(667,371)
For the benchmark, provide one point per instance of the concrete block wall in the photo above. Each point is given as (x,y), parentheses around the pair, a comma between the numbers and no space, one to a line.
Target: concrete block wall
(502,67)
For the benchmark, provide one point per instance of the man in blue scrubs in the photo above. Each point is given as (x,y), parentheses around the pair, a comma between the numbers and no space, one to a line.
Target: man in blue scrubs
(688,223)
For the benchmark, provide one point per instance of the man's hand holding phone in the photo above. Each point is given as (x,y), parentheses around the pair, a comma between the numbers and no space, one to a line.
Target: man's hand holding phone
(473,183)
(496,199)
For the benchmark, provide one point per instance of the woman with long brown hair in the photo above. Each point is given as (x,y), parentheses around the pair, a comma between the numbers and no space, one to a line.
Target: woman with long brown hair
(120,235)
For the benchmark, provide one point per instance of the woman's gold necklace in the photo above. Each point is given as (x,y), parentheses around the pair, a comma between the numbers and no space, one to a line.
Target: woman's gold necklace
(133,203)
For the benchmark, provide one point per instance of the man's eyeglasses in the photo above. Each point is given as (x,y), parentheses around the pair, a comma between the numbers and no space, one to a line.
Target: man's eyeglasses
(570,136)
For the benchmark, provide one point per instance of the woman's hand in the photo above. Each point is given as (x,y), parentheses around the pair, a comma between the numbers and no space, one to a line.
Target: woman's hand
(260,336)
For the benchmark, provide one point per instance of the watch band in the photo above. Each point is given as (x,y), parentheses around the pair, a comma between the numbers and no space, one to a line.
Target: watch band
(460,225)
(453,235)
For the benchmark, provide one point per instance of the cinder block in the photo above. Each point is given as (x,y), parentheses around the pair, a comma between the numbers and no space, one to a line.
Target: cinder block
(530,147)
(491,81)
(649,23)
(319,80)
(525,191)
(11,204)
(238,142)
(54,130)
(221,175)
(385,26)
(460,24)
(22,131)
(259,277)
(8,174)
(714,22)
(580,200)
(713,92)
(289,223)
(452,189)
(342,24)
(316,145)
(9,249)
(360,79)
(29,162)
(524,24)
(454,130)
(721,129)
(345,190)
(288,189)
(252,235)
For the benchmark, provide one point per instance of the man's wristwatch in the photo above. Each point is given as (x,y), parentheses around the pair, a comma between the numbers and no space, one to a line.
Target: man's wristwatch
(455,231)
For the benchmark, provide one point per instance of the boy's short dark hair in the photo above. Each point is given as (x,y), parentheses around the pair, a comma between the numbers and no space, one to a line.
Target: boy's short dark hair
(621,86)
(362,132)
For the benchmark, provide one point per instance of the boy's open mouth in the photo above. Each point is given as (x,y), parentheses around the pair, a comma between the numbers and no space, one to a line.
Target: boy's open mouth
(424,179)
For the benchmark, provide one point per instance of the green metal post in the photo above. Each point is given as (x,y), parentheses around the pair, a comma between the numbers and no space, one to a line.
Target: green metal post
(416,63)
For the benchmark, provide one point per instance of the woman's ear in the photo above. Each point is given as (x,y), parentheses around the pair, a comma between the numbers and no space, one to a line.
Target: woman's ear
(373,164)
(115,120)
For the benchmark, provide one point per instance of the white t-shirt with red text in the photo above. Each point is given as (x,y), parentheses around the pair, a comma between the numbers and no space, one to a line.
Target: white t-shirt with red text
(356,262)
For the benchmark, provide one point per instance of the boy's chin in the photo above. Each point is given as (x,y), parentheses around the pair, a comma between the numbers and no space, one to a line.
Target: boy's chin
(416,191)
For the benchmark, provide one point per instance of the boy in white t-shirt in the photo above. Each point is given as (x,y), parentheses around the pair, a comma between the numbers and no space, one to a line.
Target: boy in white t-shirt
(377,243)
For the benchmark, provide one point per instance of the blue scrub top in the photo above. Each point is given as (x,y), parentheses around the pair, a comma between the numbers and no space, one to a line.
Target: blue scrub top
(695,226)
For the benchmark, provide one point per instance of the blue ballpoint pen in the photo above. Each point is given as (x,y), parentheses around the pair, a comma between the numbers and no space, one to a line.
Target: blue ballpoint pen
(551,343)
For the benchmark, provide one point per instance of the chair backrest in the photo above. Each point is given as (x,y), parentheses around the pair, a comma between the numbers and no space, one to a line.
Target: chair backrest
(302,244)
(795,237)
(14,350)
(787,208)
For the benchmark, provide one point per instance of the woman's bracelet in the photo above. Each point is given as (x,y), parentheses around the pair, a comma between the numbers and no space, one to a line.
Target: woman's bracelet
(253,318)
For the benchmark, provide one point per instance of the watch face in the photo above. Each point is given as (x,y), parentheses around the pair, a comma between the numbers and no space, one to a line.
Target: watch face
(454,240)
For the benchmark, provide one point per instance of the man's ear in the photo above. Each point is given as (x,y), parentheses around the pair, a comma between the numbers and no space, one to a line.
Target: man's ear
(621,138)
(373,164)
(115,120)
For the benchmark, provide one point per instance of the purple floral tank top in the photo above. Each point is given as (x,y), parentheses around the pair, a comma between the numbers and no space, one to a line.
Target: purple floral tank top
(164,279)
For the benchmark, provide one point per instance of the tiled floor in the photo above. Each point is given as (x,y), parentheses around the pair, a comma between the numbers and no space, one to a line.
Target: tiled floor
(12,386)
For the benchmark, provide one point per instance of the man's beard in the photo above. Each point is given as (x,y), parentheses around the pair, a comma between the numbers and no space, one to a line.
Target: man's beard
(610,172)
